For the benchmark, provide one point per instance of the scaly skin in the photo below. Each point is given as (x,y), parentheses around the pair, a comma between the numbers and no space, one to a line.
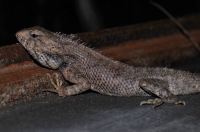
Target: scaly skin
(88,69)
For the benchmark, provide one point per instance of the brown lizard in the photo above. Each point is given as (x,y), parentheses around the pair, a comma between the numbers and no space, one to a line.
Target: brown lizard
(88,69)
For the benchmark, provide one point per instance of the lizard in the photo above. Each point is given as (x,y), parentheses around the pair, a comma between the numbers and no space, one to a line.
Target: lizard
(88,69)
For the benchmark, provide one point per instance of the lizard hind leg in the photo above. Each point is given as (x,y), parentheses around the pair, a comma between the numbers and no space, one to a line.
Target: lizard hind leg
(160,89)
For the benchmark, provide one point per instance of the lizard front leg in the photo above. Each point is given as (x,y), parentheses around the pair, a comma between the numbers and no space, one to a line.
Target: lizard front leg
(81,84)
(160,89)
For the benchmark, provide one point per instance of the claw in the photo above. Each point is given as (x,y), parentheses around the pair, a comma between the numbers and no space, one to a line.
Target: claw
(181,102)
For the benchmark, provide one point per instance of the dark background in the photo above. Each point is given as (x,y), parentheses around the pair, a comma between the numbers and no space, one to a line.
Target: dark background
(75,16)
(93,111)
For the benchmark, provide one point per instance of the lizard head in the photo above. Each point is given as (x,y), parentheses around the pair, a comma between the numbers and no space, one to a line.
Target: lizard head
(43,45)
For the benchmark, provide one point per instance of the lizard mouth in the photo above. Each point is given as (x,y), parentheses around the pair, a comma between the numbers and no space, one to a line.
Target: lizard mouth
(23,42)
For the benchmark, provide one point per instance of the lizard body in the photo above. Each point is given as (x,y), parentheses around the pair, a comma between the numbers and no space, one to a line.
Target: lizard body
(88,69)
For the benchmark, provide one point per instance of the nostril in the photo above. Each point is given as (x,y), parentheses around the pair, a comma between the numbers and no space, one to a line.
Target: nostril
(17,34)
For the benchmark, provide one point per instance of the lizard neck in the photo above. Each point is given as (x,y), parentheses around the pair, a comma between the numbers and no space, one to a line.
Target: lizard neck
(76,51)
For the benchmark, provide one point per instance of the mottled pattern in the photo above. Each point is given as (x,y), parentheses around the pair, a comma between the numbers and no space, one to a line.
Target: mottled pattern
(88,69)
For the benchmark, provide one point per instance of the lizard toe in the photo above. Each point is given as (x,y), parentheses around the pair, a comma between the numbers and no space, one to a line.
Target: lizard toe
(159,101)
(180,102)
(155,102)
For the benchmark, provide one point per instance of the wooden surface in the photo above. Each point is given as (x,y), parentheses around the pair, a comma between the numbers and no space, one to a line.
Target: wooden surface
(157,43)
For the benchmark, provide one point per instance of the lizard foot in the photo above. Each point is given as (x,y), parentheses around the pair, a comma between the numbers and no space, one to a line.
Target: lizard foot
(58,89)
(158,101)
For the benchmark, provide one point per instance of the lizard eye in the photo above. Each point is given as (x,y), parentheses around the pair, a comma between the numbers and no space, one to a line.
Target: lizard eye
(34,35)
